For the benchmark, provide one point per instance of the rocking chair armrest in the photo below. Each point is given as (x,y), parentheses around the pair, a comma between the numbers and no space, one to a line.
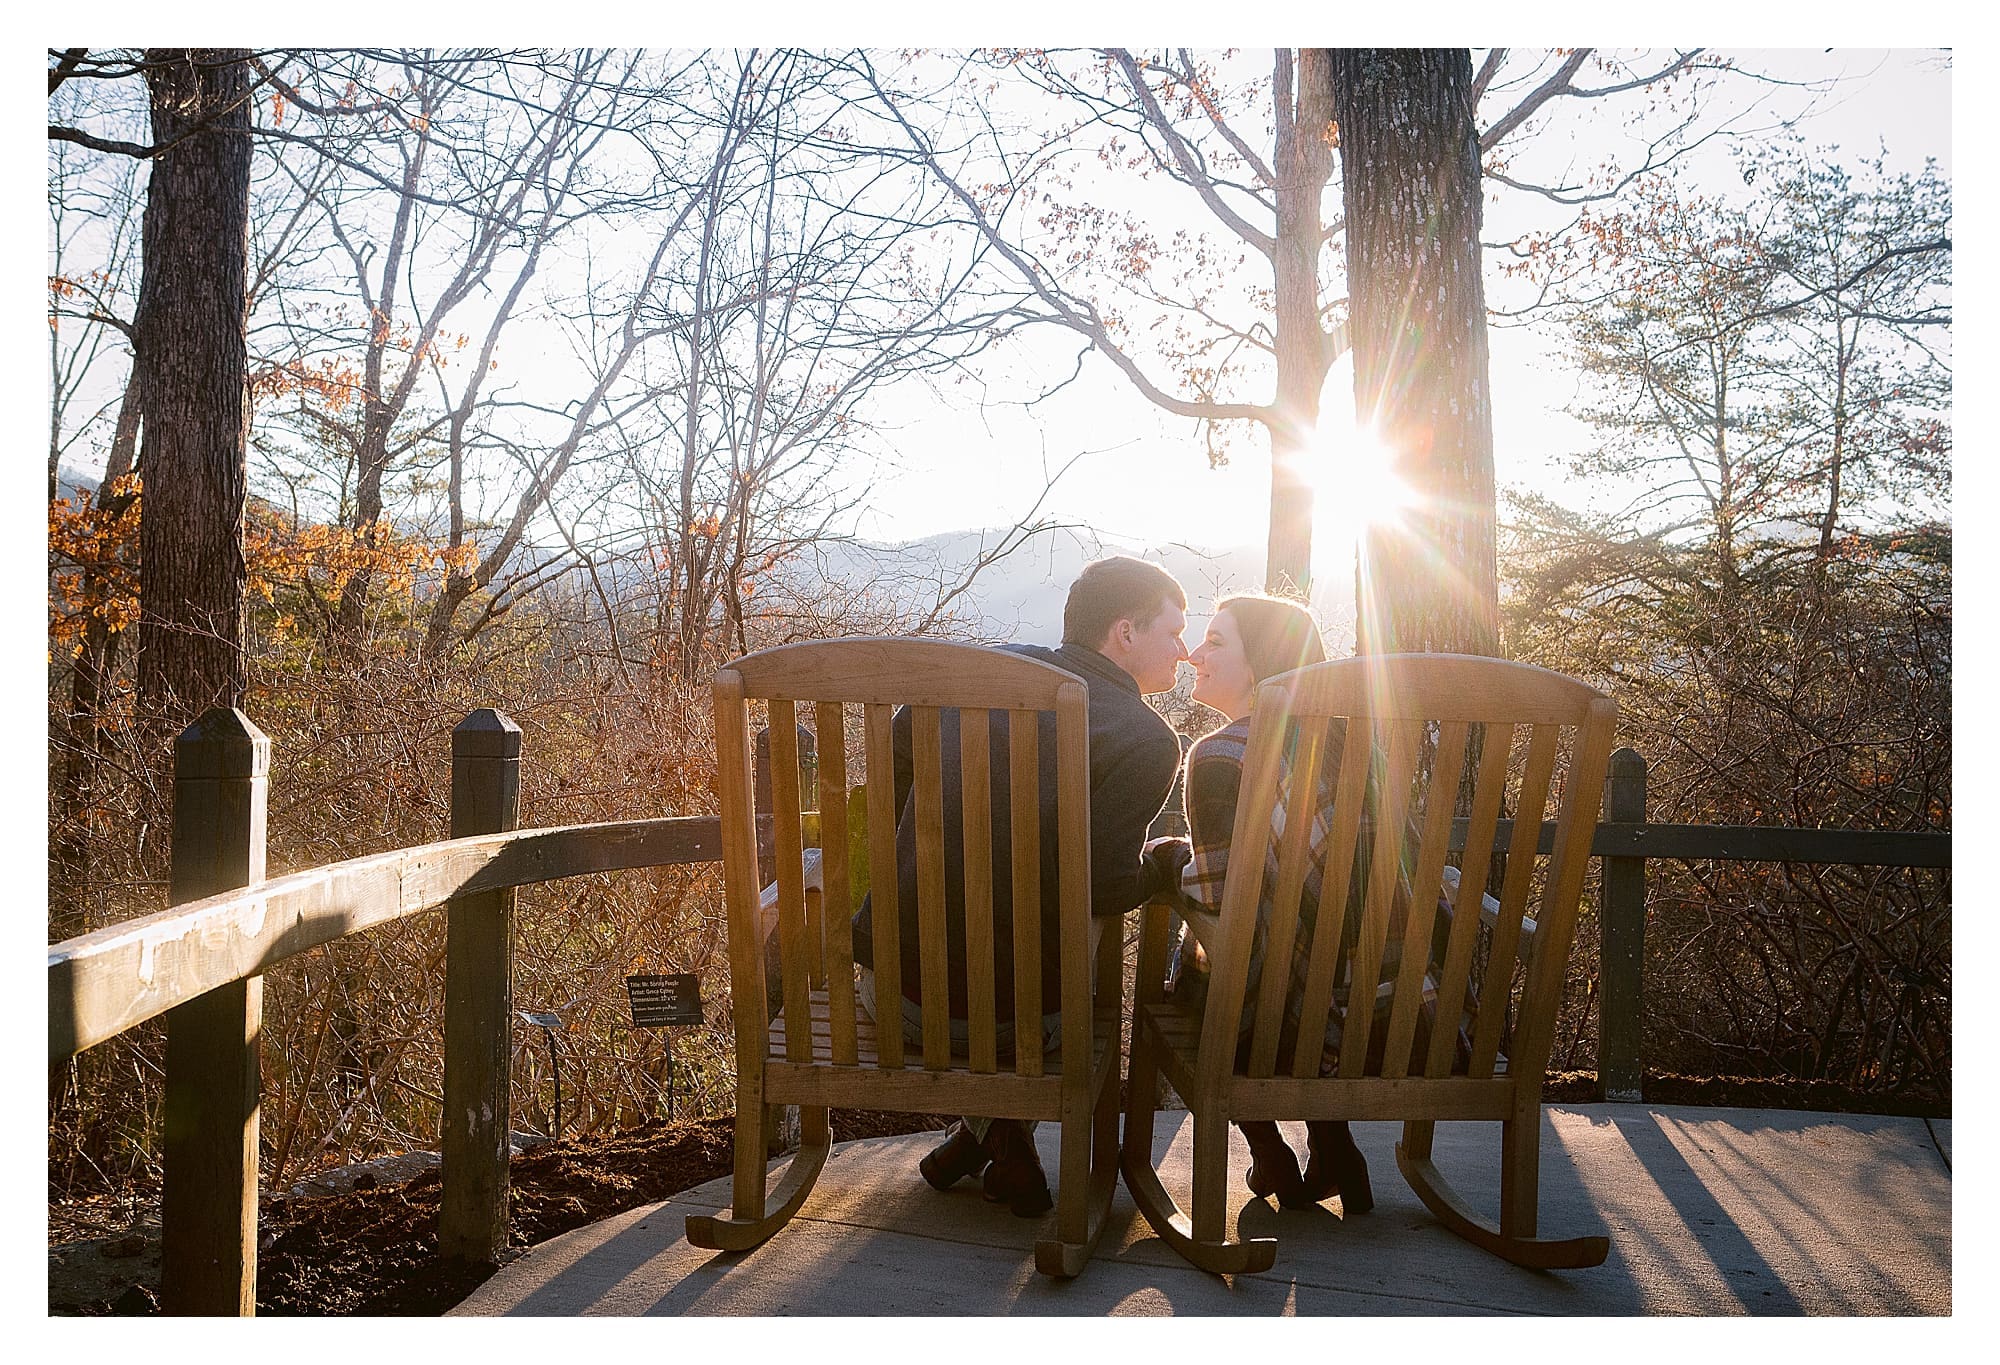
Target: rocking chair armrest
(1489,914)
(767,903)
(1157,920)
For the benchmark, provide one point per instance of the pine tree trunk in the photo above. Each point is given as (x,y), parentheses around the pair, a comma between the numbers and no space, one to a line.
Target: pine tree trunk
(1410,185)
(190,355)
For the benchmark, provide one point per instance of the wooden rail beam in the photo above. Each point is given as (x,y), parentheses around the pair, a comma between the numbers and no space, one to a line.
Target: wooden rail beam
(101,984)
(1750,843)
(1776,844)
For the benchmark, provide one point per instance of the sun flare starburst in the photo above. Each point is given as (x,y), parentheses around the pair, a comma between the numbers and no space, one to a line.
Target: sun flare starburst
(1355,484)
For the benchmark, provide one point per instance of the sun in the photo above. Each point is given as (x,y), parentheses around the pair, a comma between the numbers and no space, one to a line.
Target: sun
(1355,484)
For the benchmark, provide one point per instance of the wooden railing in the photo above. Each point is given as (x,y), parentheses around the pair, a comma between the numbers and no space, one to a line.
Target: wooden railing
(1625,840)
(201,963)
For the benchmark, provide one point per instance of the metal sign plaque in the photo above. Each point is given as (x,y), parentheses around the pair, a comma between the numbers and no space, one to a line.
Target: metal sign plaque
(658,1001)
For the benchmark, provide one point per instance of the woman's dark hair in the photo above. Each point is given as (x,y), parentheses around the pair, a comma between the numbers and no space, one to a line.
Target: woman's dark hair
(1116,589)
(1278,635)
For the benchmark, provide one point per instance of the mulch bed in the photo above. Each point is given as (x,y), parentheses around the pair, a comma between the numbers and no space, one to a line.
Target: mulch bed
(373,1251)
(1751,1092)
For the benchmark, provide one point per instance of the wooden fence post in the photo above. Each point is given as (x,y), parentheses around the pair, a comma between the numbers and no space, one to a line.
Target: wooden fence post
(1622,949)
(478,1001)
(208,1197)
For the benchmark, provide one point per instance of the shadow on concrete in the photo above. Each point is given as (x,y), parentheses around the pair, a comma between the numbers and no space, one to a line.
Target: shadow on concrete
(1709,1212)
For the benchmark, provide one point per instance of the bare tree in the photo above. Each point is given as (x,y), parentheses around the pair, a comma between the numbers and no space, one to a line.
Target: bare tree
(453,175)
(806,299)
(94,247)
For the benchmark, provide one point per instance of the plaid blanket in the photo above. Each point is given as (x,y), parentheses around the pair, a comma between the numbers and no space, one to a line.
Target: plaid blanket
(1214,778)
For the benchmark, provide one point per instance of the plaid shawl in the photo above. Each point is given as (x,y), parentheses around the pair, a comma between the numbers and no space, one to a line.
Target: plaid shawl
(1214,778)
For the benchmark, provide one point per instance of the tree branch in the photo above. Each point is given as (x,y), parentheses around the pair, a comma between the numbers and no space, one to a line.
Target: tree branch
(1191,171)
(58,133)
(1243,149)
(1555,85)
(66,66)
(1067,311)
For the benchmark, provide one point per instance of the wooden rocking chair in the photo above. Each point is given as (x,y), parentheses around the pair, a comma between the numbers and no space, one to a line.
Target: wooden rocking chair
(1418,721)
(823,1050)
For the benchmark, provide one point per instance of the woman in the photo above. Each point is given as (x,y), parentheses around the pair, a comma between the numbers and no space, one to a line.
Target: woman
(1251,639)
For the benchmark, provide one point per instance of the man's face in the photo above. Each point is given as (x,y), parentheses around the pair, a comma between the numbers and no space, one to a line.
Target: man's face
(1150,653)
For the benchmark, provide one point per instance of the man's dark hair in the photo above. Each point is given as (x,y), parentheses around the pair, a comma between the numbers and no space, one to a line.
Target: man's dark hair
(1113,590)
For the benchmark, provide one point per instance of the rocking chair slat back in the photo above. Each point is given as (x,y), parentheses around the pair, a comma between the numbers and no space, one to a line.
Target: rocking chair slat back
(838,959)
(1026,831)
(1365,786)
(1363,954)
(933,954)
(790,868)
(974,730)
(877,719)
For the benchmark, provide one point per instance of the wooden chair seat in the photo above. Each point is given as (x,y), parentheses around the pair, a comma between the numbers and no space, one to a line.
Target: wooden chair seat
(869,1084)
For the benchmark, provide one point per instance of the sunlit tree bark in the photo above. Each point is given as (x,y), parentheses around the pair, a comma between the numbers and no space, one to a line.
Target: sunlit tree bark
(1417,319)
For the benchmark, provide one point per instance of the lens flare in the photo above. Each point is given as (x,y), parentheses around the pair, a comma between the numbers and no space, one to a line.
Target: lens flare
(1355,485)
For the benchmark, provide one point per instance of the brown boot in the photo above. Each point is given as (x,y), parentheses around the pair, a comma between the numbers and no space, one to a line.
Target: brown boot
(1273,1167)
(1334,1165)
(1016,1178)
(958,1156)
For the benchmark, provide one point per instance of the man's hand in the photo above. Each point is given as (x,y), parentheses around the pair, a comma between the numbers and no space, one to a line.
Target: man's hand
(1160,864)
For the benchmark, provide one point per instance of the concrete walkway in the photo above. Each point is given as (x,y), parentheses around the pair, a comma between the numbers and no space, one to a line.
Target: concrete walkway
(1710,1211)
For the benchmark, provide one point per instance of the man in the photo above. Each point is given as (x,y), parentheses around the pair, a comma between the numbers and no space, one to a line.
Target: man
(1122,629)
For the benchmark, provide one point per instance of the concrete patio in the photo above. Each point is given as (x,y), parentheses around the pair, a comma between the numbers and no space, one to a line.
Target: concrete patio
(1710,1212)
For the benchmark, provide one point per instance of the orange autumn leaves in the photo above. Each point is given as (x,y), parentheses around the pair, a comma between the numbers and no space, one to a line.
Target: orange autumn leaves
(94,563)
(288,563)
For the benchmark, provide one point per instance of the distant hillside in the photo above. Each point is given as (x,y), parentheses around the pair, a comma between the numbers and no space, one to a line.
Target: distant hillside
(1021,596)
(72,482)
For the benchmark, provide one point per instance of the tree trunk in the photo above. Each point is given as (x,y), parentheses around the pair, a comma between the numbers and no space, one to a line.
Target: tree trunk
(1304,162)
(1830,521)
(1410,186)
(189,354)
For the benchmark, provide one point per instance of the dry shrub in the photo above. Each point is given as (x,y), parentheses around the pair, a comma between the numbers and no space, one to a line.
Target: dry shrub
(1831,712)
(361,762)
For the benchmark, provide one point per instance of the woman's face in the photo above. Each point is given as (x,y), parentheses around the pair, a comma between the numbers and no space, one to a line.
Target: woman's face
(1222,677)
